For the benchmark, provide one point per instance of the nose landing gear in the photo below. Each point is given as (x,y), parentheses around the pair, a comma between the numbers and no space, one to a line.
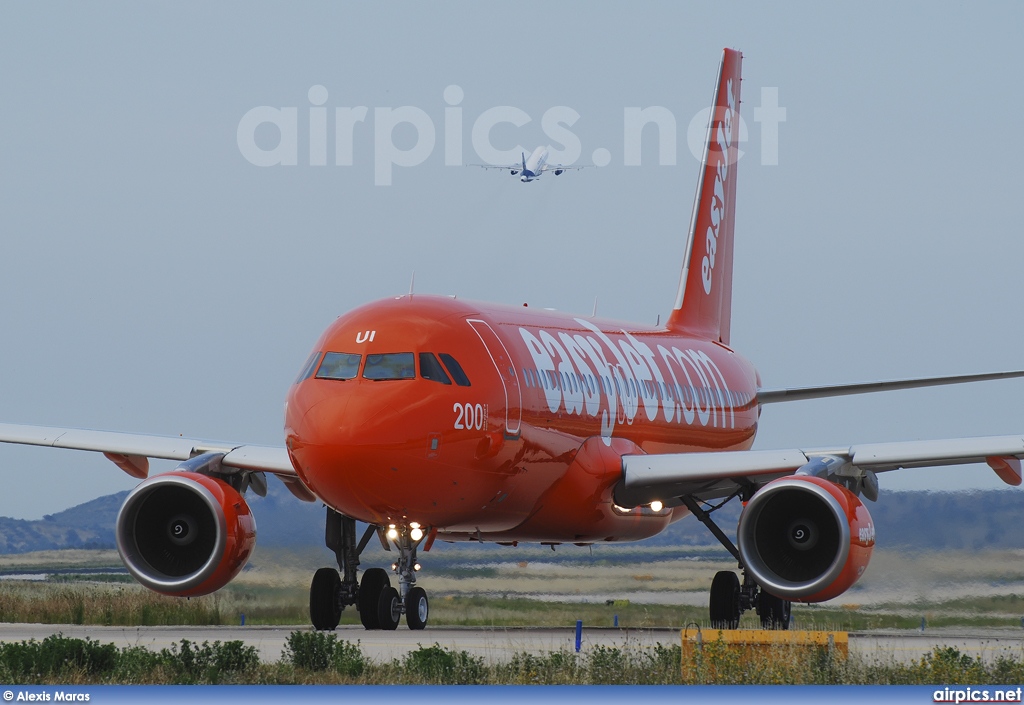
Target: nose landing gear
(410,599)
(380,605)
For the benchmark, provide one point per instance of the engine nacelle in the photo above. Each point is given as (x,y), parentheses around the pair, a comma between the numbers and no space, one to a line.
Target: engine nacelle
(185,534)
(805,538)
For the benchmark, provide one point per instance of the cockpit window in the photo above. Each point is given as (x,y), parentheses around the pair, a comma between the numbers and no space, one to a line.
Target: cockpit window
(456,369)
(431,369)
(338,366)
(390,366)
(307,369)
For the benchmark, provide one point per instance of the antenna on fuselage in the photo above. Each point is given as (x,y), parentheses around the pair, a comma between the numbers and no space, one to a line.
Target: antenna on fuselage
(412,282)
(594,314)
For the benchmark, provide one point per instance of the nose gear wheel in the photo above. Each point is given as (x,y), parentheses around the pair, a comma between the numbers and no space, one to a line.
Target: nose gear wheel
(380,605)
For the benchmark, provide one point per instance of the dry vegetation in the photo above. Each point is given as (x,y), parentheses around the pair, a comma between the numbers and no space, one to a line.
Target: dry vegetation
(653,588)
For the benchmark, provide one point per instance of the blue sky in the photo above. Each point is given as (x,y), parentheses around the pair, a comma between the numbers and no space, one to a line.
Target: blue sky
(154,280)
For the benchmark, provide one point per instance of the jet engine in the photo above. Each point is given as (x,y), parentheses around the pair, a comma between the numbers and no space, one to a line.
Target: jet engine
(185,534)
(804,538)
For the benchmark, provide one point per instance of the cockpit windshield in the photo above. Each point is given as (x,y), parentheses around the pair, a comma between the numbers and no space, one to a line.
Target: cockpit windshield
(431,369)
(456,369)
(339,366)
(308,368)
(383,366)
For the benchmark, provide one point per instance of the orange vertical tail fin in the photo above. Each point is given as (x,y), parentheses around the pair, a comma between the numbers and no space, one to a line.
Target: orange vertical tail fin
(704,302)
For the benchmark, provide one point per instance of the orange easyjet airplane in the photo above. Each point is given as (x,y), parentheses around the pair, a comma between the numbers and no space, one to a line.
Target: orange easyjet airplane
(429,417)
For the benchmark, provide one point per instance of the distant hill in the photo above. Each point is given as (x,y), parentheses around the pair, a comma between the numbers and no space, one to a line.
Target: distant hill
(281,520)
(89,525)
(917,520)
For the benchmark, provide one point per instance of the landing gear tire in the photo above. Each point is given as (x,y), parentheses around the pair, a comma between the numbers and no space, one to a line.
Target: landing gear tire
(773,611)
(374,582)
(725,600)
(324,608)
(389,609)
(417,608)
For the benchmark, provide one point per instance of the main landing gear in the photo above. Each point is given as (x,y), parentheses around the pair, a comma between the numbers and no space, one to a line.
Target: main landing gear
(380,605)
(730,599)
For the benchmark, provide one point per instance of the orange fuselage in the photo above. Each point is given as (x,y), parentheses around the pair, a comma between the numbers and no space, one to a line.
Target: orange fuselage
(530,449)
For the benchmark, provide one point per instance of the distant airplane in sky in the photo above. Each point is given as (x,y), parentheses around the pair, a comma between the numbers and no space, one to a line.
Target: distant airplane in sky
(532,167)
(431,418)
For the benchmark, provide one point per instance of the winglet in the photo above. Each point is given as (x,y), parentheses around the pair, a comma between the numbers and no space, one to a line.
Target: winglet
(704,301)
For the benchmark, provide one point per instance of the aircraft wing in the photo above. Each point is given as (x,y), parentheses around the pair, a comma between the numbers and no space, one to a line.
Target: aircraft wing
(710,475)
(517,167)
(772,396)
(272,459)
(559,167)
(546,167)
(131,451)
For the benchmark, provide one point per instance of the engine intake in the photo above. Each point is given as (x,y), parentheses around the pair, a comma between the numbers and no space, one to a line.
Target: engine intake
(805,538)
(185,534)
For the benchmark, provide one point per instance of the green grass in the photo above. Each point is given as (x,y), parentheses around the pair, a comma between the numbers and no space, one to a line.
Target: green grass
(464,591)
(74,602)
(104,604)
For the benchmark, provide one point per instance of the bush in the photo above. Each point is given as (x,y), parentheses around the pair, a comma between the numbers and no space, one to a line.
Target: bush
(948,665)
(633,664)
(135,664)
(31,661)
(555,668)
(608,666)
(437,665)
(348,659)
(318,651)
(310,650)
(208,663)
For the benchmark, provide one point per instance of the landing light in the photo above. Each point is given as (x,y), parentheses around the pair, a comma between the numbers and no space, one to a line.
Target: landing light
(392,533)
(414,525)
(417,566)
(656,506)
(416,534)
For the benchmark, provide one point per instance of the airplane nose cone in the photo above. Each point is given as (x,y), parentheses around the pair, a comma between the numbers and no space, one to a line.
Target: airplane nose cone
(329,421)
(334,444)
(343,421)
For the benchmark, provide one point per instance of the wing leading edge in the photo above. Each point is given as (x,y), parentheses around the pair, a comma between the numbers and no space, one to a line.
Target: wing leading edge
(773,396)
(546,167)
(131,451)
(717,474)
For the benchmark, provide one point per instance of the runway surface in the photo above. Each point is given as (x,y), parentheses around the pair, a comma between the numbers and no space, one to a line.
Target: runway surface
(499,644)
